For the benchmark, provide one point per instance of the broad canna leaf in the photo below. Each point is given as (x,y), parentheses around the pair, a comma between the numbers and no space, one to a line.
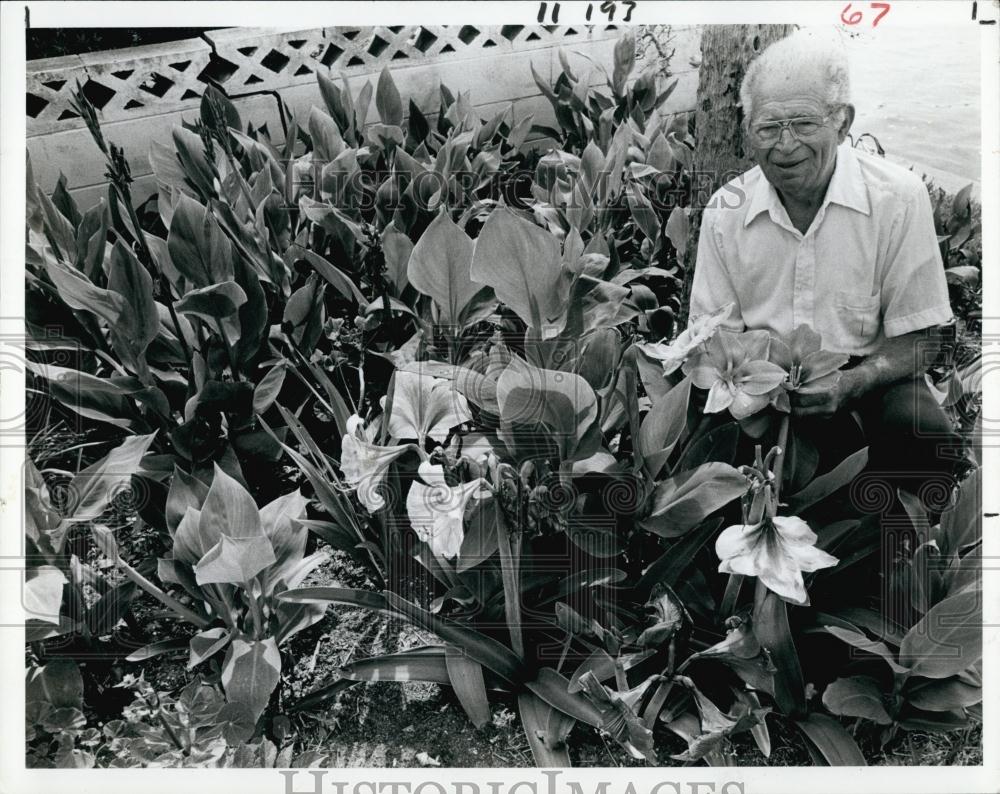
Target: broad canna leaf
(327,141)
(834,744)
(688,498)
(522,263)
(138,323)
(946,694)
(198,248)
(91,491)
(948,639)
(439,266)
(857,696)
(42,594)
(229,509)
(215,302)
(206,644)
(387,100)
(58,683)
(250,673)
(80,293)
(562,404)
(234,560)
(662,427)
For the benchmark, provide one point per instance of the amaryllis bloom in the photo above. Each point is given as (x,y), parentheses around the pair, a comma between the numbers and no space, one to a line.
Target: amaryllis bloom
(735,370)
(776,551)
(437,511)
(810,368)
(424,406)
(364,464)
(699,331)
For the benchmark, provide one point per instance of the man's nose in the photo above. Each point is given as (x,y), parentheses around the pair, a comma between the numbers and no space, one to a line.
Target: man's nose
(786,140)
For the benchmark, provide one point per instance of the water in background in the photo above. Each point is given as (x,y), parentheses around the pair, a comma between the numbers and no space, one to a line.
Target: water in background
(918,91)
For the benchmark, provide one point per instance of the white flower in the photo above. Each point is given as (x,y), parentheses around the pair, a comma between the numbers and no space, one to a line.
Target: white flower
(364,464)
(776,551)
(699,331)
(423,406)
(437,511)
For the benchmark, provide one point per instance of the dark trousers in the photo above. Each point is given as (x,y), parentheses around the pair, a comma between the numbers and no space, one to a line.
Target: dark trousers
(911,445)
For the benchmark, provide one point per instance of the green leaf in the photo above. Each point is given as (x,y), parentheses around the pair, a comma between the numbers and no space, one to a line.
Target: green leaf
(662,427)
(553,688)
(479,647)
(624,57)
(185,491)
(205,644)
(234,560)
(946,694)
(155,649)
(138,323)
(268,388)
(190,151)
(828,483)
(43,593)
(523,265)
(480,540)
(439,266)
(279,520)
(834,743)
(92,490)
(562,403)
(948,639)
(425,663)
(857,696)
(535,717)
(397,249)
(198,248)
(327,142)
(339,280)
(337,595)
(770,625)
(250,673)
(962,523)
(681,502)
(914,719)
(215,302)
(387,100)
(863,643)
(470,687)
(58,683)
(79,293)
(669,566)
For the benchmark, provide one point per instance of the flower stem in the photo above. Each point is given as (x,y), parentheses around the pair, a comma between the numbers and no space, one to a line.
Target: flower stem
(779,460)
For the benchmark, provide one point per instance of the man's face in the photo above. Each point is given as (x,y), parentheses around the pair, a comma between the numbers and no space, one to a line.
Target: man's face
(799,169)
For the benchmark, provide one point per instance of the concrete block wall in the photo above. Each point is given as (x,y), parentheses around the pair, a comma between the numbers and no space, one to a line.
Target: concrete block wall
(143,92)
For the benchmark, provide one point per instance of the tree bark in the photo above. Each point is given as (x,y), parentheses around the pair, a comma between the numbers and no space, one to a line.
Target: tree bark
(719,152)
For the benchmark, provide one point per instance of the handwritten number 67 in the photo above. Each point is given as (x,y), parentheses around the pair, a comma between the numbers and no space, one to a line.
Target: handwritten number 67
(854,17)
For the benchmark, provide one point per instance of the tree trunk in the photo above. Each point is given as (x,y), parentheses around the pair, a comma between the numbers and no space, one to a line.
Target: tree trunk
(726,51)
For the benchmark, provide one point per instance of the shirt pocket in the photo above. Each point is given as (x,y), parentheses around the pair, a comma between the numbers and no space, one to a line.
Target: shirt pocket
(856,320)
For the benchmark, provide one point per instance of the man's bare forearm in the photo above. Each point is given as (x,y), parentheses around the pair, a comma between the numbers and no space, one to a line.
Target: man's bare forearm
(895,359)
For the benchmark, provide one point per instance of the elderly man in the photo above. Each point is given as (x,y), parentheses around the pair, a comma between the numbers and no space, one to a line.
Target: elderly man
(821,234)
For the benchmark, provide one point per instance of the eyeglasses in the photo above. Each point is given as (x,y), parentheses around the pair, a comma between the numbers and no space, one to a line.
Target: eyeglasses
(802,128)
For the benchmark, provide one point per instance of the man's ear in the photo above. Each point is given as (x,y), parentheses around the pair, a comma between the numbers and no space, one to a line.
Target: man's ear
(845,125)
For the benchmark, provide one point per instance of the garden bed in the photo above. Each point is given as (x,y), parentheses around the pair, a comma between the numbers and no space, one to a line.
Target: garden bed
(358,437)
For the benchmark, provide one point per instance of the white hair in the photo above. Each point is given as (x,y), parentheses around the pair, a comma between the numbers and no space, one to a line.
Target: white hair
(805,55)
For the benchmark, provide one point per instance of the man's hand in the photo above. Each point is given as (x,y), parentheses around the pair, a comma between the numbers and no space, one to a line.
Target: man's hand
(826,403)
(895,359)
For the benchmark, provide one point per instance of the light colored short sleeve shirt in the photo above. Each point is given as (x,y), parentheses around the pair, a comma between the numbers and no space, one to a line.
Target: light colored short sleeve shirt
(868,267)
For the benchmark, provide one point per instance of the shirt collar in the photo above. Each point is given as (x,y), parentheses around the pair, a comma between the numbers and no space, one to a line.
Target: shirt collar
(847,188)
